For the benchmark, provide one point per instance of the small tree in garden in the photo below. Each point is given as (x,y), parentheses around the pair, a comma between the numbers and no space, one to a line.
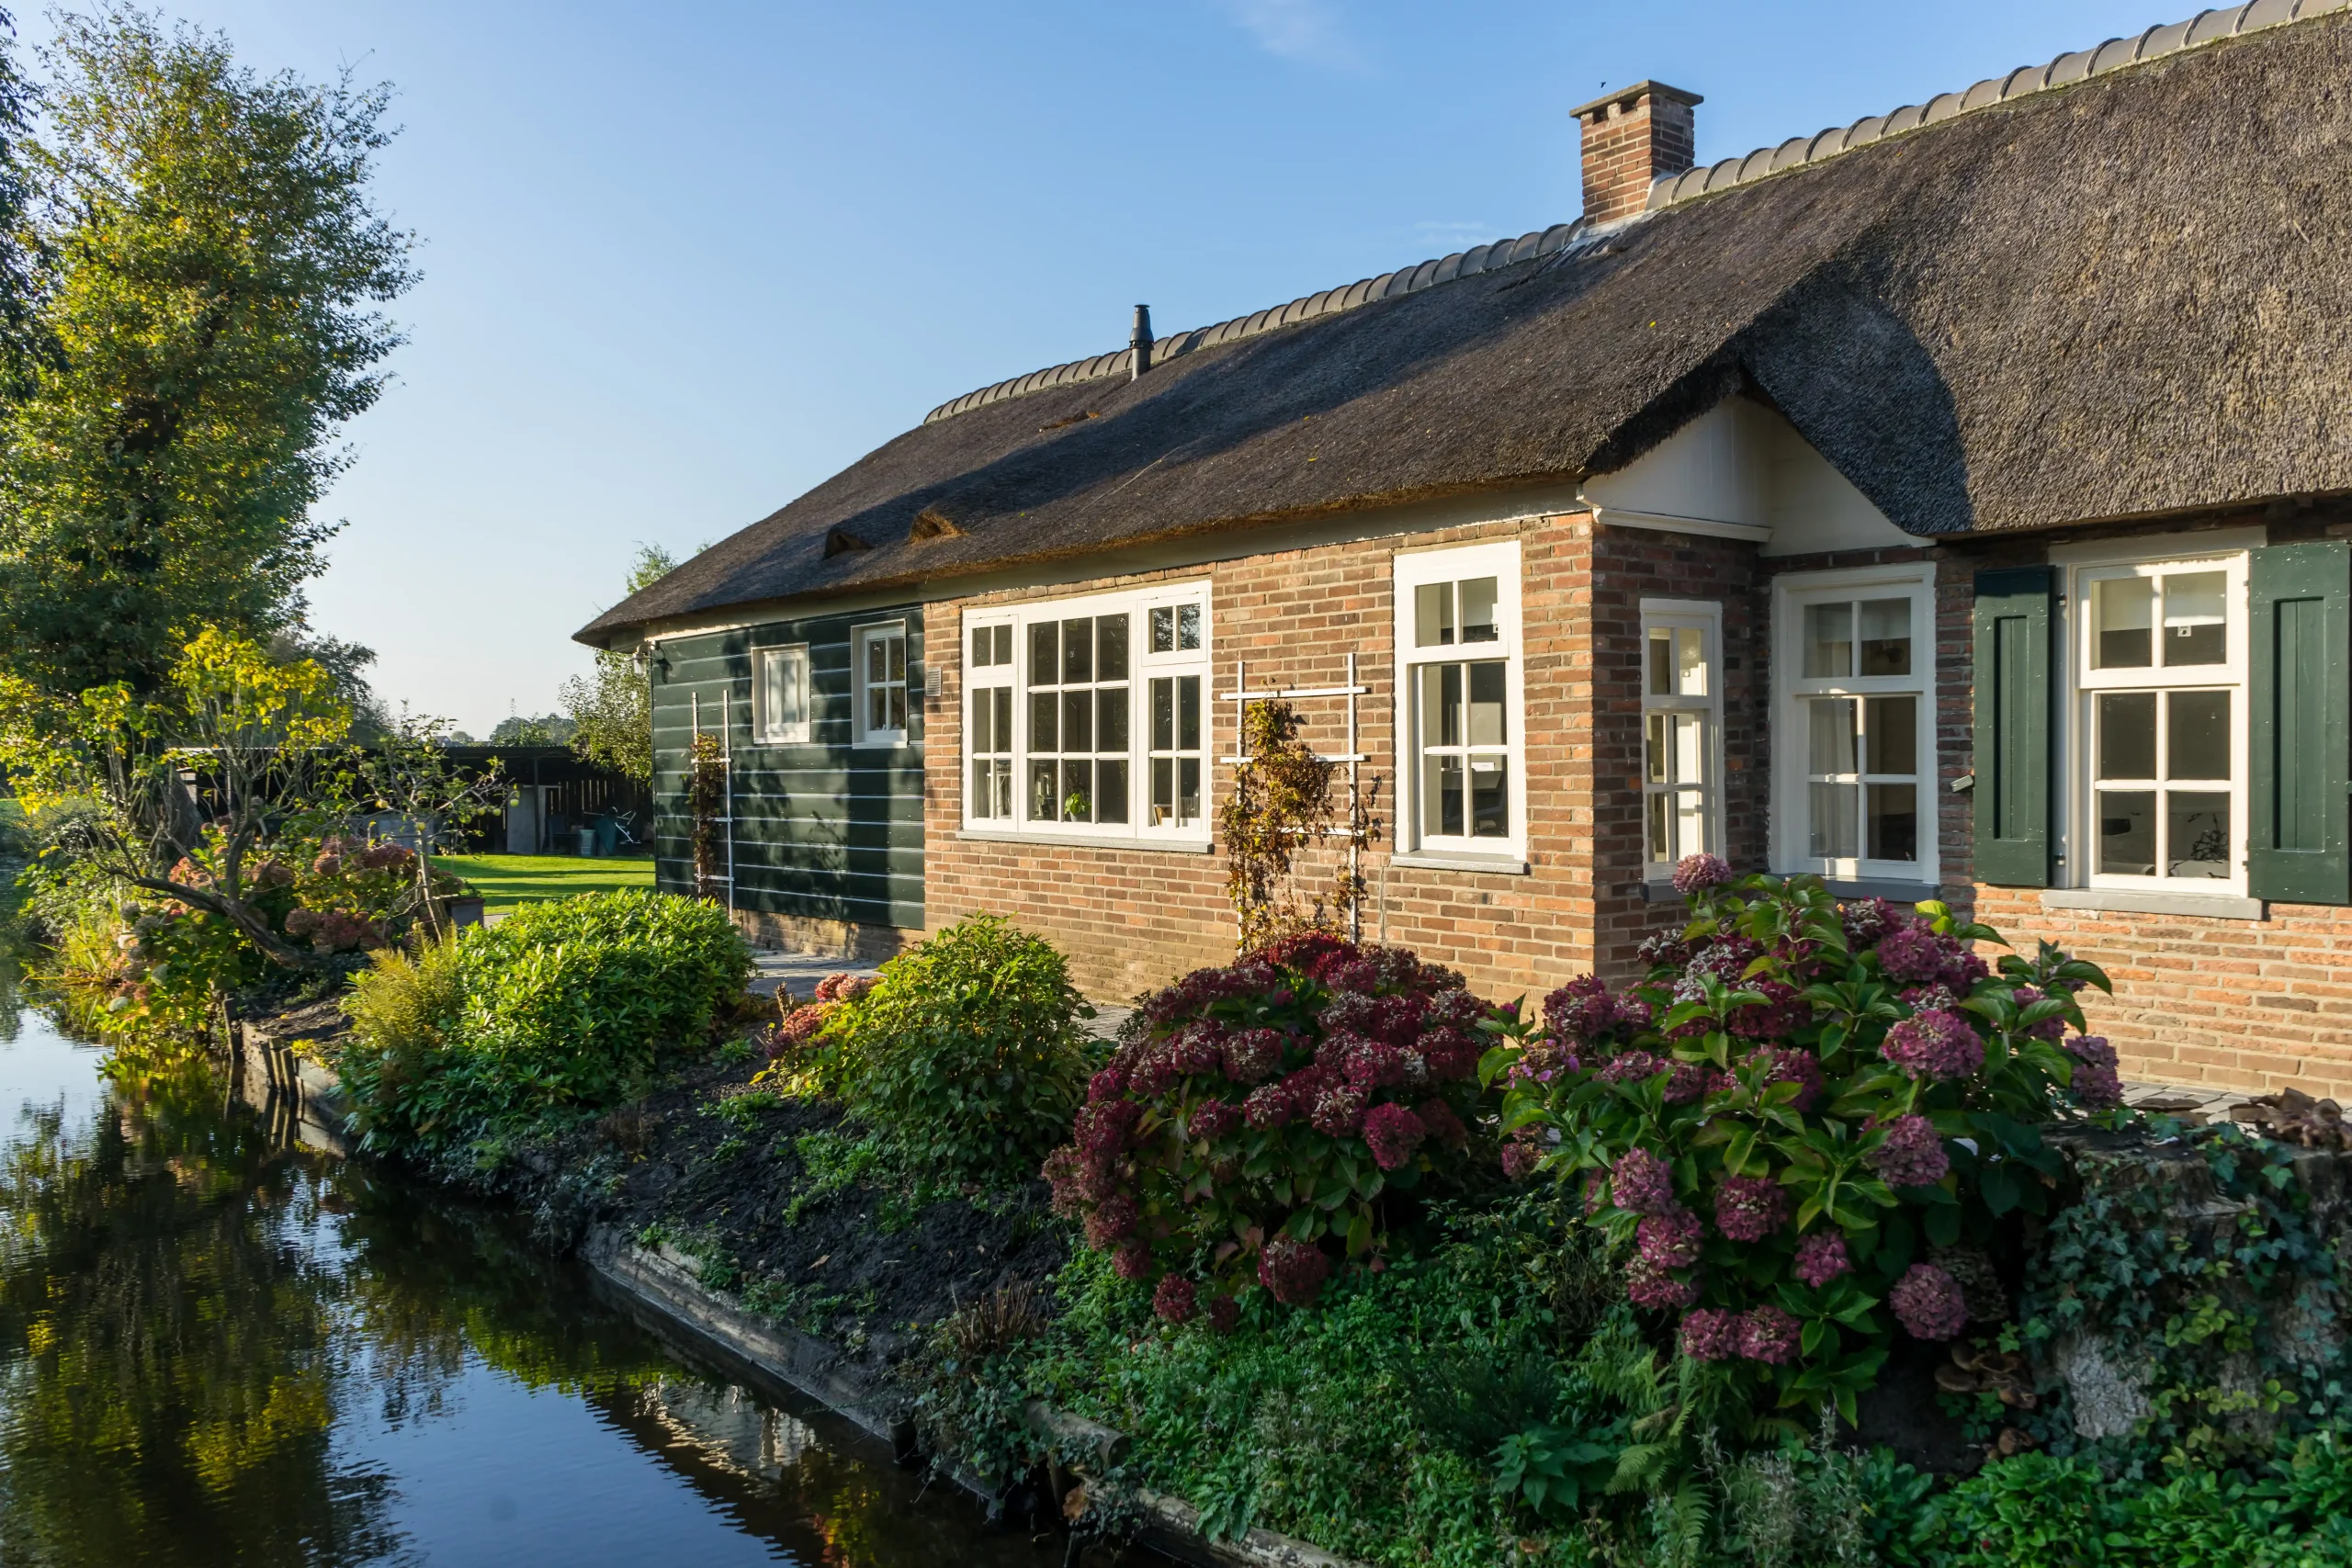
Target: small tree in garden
(408,772)
(705,805)
(1280,807)
(1250,1126)
(1808,1124)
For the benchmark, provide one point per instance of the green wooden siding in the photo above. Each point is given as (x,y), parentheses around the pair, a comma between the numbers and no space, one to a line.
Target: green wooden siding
(2014,713)
(2301,602)
(825,830)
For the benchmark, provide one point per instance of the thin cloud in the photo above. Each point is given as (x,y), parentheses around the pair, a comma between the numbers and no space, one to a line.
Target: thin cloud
(1311,32)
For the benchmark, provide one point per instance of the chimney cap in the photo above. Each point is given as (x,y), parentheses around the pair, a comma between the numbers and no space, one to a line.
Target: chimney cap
(1629,95)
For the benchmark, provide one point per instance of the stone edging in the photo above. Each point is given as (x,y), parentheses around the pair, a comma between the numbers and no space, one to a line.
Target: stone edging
(666,1283)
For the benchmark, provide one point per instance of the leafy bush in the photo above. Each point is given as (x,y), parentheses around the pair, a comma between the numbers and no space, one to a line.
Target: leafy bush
(1807,1122)
(564,1006)
(966,1053)
(1262,1109)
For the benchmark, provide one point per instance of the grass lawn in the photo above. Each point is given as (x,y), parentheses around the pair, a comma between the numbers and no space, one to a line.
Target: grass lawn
(504,881)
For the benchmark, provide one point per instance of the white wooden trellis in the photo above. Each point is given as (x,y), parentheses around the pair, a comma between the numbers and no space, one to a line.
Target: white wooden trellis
(726,782)
(1241,696)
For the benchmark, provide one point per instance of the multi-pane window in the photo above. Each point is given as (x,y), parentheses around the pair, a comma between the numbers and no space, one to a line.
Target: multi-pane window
(2161,672)
(1078,692)
(780,694)
(1090,715)
(1681,704)
(1458,612)
(988,735)
(1856,797)
(880,656)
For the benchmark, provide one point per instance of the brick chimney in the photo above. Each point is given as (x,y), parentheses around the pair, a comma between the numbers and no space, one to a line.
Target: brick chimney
(1630,137)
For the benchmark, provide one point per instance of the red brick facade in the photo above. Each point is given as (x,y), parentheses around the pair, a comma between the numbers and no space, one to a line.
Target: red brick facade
(2246,1004)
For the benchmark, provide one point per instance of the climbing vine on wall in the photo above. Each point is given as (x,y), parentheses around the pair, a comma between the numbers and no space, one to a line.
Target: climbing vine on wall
(1281,805)
(705,805)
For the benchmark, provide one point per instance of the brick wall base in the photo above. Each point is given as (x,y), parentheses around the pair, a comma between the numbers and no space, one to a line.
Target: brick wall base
(826,939)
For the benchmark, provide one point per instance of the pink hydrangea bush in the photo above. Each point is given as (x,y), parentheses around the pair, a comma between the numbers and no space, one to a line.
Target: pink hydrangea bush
(1254,1115)
(1799,1102)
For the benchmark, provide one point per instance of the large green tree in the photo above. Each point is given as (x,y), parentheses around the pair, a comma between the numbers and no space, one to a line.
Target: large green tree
(612,710)
(213,269)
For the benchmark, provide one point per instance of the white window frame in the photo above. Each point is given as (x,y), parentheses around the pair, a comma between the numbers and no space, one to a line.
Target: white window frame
(858,638)
(1143,666)
(1792,792)
(768,730)
(1706,617)
(1457,563)
(2084,565)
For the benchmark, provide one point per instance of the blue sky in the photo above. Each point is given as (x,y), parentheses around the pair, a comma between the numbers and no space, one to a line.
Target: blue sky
(682,262)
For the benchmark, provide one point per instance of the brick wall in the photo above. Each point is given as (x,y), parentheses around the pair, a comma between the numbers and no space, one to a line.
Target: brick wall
(1133,919)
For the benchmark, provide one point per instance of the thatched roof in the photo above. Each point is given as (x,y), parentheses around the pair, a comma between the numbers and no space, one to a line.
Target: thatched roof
(2120,298)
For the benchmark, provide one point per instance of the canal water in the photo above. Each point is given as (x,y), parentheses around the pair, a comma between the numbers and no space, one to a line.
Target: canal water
(218,1346)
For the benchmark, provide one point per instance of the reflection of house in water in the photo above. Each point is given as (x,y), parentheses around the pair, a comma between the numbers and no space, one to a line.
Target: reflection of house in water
(728,1427)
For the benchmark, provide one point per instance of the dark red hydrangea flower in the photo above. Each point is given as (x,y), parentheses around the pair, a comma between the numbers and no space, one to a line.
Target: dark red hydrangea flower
(1648,1285)
(1372,1064)
(2097,1084)
(1252,1056)
(1696,873)
(1929,1303)
(1305,1086)
(1779,1013)
(1354,975)
(1349,1012)
(1749,1207)
(1443,1124)
(1454,1008)
(1176,1297)
(1694,1080)
(1223,1313)
(1309,953)
(1154,1070)
(1520,1156)
(1392,1132)
(1213,1119)
(2049,1029)
(1711,1333)
(1866,921)
(1113,1220)
(1934,1045)
(1642,1183)
(1912,954)
(1293,1271)
(1662,952)
(1103,1129)
(1632,1067)
(1198,1048)
(1452,1054)
(1769,1334)
(1669,1240)
(1726,958)
(1132,1259)
(1821,1257)
(1061,1173)
(1912,1154)
(1931,999)
(1338,1111)
(1962,973)
(1268,1107)
(1790,1064)
(1582,1011)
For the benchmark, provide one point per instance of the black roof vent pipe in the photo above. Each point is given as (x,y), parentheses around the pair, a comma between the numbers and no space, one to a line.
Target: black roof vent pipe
(1139,344)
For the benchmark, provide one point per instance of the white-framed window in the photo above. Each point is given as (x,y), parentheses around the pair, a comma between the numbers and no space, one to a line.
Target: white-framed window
(1460,699)
(1089,716)
(2158,726)
(1855,675)
(1681,731)
(987,730)
(780,695)
(878,661)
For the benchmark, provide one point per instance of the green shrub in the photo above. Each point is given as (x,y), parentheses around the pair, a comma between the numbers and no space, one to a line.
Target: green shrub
(565,1006)
(967,1054)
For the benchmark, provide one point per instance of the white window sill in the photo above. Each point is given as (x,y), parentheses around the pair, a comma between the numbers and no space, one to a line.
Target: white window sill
(1086,840)
(1496,865)
(2211,906)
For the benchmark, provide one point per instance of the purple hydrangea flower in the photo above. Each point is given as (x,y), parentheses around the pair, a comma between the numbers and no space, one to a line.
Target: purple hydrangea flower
(1788,1064)
(1749,1207)
(1711,1333)
(1821,1257)
(1929,1303)
(1632,1067)
(1520,1156)
(1912,1154)
(1293,1271)
(1176,1297)
(1670,1240)
(1643,1183)
(1769,1334)
(1394,1134)
(2096,1084)
(1936,1044)
(1866,921)
(1696,873)
(1648,1285)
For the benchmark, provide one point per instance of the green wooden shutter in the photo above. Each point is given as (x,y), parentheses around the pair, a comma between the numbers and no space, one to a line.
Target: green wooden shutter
(2014,671)
(2301,623)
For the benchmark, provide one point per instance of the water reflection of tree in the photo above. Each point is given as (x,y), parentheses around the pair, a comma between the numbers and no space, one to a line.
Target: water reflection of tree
(172,1355)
